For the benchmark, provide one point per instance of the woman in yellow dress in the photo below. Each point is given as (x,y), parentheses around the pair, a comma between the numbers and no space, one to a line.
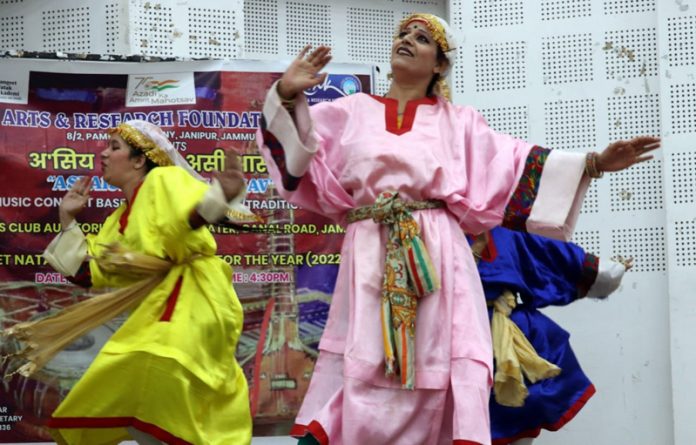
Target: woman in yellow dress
(169,374)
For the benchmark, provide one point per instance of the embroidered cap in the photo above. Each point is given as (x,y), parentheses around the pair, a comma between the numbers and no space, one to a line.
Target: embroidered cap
(443,36)
(151,140)
(441,32)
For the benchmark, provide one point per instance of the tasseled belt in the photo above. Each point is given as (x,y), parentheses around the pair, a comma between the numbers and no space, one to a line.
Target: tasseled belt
(408,275)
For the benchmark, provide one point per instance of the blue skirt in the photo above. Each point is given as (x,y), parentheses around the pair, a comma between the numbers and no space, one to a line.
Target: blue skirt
(551,402)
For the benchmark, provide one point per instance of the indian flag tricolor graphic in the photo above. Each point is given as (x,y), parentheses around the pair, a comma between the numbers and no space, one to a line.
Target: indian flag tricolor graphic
(162,84)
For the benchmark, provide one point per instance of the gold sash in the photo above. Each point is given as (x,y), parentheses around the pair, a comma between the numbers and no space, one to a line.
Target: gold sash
(44,338)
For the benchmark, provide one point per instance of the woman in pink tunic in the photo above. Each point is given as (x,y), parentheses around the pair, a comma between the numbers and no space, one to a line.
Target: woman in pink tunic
(406,354)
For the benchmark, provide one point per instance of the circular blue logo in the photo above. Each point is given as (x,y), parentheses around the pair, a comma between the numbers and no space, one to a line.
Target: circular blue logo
(349,86)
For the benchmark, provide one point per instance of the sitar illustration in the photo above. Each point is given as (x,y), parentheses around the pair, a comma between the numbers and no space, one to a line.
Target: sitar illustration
(277,348)
(283,364)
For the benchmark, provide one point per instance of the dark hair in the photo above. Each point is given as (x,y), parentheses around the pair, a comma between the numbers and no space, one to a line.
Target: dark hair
(134,153)
(441,57)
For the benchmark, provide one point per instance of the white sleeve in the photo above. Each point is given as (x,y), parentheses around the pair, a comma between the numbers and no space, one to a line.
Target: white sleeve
(67,251)
(296,136)
(213,207)
(562,189)
(608,279)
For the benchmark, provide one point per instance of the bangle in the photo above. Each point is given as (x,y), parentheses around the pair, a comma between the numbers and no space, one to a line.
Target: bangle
(288,104)
(591,165)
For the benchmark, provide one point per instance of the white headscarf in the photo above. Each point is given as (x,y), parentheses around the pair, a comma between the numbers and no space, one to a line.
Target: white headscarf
(153,142)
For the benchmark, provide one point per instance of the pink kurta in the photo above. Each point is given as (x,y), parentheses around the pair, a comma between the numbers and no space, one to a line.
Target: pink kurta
(346,153)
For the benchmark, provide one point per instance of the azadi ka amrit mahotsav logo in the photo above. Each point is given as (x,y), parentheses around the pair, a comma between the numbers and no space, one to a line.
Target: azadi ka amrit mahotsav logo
(161,89)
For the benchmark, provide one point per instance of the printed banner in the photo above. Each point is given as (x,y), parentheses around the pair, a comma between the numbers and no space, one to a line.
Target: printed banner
(53,121)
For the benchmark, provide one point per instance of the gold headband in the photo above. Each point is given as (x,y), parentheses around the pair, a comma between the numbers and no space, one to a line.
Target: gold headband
(139,141)
(434,26)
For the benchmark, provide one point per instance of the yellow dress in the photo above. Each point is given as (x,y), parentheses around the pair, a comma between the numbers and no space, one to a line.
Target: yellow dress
(170,369)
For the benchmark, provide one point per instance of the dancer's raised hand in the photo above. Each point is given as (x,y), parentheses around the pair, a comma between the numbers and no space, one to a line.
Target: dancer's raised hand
(74,201)
(232,176)
(303,72)
(623,154)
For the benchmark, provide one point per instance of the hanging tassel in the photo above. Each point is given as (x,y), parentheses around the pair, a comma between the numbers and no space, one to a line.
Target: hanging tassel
(515,357)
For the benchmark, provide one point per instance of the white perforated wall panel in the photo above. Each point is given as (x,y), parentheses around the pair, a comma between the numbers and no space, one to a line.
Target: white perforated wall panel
(66,26)
(191,29)
(510,120)
(499,13)
(631,115)
(562,9)
(570,124)
(66,29)
(591,203)
(682,102)
(633,190)
(261,27)
(682,177)
(112,13)
(12,32)
(685,248)
(630,53)
(370,33)
(676,22)
(614,7)
(163,28)
(576,75)
(498,66)
(307,22)
(680,38)
(152,30)
(210,33)
(567,58)
(589,239)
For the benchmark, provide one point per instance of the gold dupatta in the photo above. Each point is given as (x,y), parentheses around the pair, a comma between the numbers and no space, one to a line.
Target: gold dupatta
(43,339)
(515,357)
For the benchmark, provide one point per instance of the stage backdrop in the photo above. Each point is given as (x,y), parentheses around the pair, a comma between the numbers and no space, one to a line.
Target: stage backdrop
(53,121)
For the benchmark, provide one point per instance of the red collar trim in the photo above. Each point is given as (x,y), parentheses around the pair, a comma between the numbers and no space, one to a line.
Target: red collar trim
(490,252)
(123,220)
(391,112)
